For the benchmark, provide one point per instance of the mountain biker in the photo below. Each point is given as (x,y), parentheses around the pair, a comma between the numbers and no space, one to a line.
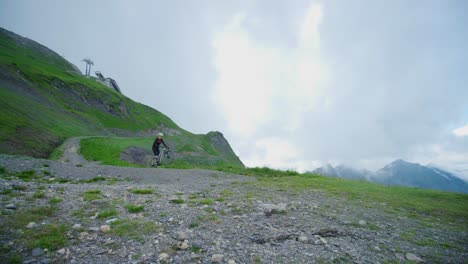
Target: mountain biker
(157,142)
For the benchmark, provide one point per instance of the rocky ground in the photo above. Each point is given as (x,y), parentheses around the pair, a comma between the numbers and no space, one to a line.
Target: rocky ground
(72,211)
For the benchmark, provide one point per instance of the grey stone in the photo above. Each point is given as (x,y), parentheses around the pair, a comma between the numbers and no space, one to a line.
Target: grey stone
(182,245)
(37,252)
(136,155)
(105,228)
(323,240)
(399,257)
(303,239)
(76,226)
(362,222)
(273,208)
(217,258)
(413,257)
(111,220)
(181,236)
(163,256)
(31,225)
(10,206)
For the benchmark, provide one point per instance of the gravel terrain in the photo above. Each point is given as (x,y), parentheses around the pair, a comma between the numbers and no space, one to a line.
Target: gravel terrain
(202,216)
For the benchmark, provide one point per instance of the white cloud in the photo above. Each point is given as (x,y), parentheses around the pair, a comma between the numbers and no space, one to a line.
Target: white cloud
(277,153)
(462,131)
(260,85)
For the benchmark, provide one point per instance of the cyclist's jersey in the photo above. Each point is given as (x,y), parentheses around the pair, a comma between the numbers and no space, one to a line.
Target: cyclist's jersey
(158,142)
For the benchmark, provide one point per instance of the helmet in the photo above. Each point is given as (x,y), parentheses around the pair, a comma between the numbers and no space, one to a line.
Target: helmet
(161,134)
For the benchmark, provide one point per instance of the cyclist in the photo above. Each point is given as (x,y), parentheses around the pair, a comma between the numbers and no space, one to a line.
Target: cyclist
(157,142)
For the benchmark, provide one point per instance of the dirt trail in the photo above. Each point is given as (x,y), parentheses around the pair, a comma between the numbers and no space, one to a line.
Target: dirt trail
(71,148)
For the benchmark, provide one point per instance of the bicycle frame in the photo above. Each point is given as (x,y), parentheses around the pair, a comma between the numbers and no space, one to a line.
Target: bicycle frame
(157,160)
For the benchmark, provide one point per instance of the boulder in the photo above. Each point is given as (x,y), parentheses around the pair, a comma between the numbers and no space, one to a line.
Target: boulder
(136,155)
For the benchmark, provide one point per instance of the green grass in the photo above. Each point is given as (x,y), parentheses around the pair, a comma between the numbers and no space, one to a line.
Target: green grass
(107,150)
(195,249)
(27,176)
(6,192)
(24,217)
(142,191)
(49,236)
(177,201)
(19,187)
(207,201)
(226,193)
(134,229)
(131,208)
(194,224)
(55,200)
(91,195)
(107,213)
(38,195)
(93,180)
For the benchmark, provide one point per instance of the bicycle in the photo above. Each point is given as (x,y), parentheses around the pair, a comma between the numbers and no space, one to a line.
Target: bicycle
(157,160)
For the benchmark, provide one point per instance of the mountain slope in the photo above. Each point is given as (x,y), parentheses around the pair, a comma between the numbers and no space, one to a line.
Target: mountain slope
(343,172)
(44,99)
(405,173)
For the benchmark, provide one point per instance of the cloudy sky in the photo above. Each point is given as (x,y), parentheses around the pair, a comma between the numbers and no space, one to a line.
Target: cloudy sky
(291,84)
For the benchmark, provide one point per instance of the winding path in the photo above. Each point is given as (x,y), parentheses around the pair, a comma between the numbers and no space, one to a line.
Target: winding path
(71,151)
(73,166)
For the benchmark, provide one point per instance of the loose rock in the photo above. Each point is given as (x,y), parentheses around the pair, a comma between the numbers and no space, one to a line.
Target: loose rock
(323,240)
(217,258)
(31,225)
(37,252)
(269,209)
(181,236)
(111,220)
(105,228)
(182,245)
(413,257)
(94,229)
(163,256)
(303,239)
(10,206)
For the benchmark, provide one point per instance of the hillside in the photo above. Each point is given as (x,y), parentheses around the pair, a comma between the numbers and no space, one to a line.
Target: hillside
(44,100)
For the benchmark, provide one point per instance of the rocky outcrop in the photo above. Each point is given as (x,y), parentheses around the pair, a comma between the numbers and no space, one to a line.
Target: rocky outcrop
(136,155)
(222,146)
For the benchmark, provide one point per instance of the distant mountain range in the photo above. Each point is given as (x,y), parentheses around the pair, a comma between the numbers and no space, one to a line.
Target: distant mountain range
(403,173)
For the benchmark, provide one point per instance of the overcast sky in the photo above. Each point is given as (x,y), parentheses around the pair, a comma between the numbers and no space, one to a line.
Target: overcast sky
(291,84)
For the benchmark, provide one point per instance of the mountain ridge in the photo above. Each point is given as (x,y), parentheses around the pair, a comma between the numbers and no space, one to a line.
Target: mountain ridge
(401,172)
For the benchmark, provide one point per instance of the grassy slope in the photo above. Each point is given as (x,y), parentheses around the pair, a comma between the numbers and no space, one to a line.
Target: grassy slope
(426,206)
(107,150)
(44,101)
(47,99)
